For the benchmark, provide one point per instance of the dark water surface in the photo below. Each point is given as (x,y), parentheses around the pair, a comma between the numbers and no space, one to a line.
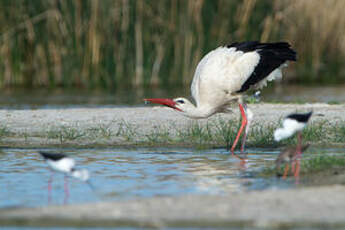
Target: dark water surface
(120,174)
(45,98)
(138,228)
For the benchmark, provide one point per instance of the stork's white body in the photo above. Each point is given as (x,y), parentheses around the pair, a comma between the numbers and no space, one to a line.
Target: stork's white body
(220,74)
(224,74)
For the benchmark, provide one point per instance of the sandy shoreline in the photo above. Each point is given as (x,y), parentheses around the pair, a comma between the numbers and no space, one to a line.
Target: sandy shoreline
(312,207)
(128,125)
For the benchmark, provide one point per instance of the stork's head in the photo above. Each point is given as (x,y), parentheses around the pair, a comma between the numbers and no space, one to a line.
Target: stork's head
(184,106)
(180,104)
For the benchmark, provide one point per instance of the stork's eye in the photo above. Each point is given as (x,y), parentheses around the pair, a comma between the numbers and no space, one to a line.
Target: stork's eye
(180,101)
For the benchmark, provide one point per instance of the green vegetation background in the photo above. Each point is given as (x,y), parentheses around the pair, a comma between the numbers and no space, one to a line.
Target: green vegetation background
(120,43)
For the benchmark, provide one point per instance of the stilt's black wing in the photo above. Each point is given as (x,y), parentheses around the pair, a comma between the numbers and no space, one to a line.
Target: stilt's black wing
(52,156)
(300,117)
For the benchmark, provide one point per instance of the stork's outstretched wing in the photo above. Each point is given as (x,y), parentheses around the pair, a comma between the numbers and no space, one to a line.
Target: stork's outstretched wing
(238,67)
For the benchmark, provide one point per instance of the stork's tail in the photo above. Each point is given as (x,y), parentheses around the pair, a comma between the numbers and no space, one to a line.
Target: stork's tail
(280,50)
(273,56)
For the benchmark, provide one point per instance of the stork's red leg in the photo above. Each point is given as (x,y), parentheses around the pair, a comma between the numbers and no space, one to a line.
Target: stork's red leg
(244,122)
(249,117)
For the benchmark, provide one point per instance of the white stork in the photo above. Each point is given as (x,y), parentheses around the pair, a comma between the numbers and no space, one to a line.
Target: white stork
(224,74)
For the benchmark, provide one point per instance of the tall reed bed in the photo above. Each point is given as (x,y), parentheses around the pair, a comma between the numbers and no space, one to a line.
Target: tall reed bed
(90,43)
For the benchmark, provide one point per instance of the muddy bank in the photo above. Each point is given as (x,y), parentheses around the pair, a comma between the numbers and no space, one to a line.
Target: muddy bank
(325,177)
(135,125)
(313,207)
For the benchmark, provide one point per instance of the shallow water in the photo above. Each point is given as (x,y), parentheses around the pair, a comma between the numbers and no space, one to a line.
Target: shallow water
(120,174)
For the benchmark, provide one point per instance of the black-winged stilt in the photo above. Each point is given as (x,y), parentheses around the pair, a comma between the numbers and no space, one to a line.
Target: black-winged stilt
(226,73)
(62,163)
(294,123)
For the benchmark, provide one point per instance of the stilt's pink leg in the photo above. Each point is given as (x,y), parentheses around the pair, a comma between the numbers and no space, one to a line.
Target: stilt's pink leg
(297,171)
(50,181)
(298,157)
(293,166)
(286,170)
(66,190)
(244,122)
(299,144)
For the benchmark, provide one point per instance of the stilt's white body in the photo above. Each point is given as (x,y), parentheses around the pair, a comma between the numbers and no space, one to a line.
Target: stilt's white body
(64,165)
(290,127)
(293,123)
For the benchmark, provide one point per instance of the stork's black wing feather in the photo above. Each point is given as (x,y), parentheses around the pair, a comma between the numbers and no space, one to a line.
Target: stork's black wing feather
(272,55)
(52,156)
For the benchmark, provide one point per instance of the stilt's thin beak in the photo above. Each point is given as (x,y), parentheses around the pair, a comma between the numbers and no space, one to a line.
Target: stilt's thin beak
(163,101)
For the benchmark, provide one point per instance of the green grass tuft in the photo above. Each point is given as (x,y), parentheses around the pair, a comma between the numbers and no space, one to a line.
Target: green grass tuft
(317,131)
(339,130)
(216,133)
(261,136)
(322,162)
(158,135)
(195,133)
(225,132)
(127,130)
(310,164)
(101,131)
(65,133)
(4,131)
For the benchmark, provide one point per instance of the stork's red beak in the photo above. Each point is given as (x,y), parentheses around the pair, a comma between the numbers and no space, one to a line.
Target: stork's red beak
(163,101)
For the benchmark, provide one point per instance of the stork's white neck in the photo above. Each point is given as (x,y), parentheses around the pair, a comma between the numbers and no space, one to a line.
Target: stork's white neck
(198,112)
